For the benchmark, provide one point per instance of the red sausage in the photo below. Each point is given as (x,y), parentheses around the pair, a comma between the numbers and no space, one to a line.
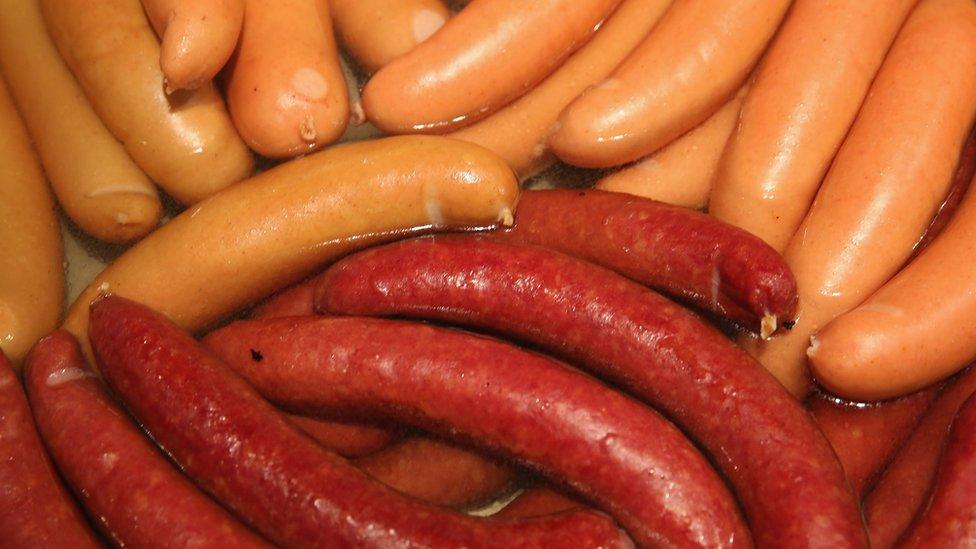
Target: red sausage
(949,520)
(245,453)
(536,502)
(349,440)
(35,509)
(621,455)
(683,253)
(138,497)
(903,486)
(768,446)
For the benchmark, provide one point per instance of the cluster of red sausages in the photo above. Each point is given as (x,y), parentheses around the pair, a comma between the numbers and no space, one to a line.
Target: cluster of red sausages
(651,426)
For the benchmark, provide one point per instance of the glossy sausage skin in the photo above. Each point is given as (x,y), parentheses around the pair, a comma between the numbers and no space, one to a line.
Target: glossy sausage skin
(569,427)
(35,508)
(135,494)
(680,252)
(349,440)
(375,32)
(965,172)
(537,501)
(766,444)
(949,519)
(249,457)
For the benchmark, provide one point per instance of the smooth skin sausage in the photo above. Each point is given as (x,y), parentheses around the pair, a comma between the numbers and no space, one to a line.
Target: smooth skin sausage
(620,455)
(35,508)
(134,493)
(690,65)
(375,32)
(285,87)
(349,440)
(885,186)
(98,185)
(682,172)
(198,37)
(242,451)
(184,141)
(537,501)
(31,257)
(781,467)
(519,133)
(804,98)
(275,229)
(453,79)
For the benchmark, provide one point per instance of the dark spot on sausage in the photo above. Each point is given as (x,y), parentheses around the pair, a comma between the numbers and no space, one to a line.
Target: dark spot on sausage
(256,356)
(788,325)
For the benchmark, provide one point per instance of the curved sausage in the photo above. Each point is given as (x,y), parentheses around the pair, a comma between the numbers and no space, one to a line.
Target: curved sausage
(453,79)
(185,141)
(683,253)
(798,112)
(520,131)
(376,32)
(949,519)
(246,454)
(536,502)
(965,172)
(137,497)
(35,509)
(95,181)
(690,65)
(883,189)
(276,228)
(31,265)
(349,440)
(285,86)
(766,444)
(623,456)
(198,37)
(682,172)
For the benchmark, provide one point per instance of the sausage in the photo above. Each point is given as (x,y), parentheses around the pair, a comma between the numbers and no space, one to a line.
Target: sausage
(134,493)
(536,502)
(519,132)
(296,300)
(686,254)
(965,171)
(778,462)
(375,32)
(35,509)
(96,182)
(682,172)
(949,519)
(866,436)
(31,270)
(799,112)
(276,228)
(882,190)
(198,37)
(623,456)
(452,79)
(248,456)
(285,86)
(439,473)
(347,439)
(185,141)
(913,331)
(901,490)
(690,65)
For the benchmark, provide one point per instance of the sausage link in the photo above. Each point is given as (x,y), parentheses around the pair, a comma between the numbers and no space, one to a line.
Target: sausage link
(624,457)
(965,171)
(349,440)
(35,509)
(185,141)
(683,253)
(536,502)
(246,454)
(375,32)
(134,493)
(767,445)
(453,79)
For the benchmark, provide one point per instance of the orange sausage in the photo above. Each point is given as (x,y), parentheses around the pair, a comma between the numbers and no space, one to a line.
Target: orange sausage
(285,87)
(96,182)
(682,172)
(686,69)
(518,132)
(886,183)
(376,32)
(806,94)
(278,227)
(198,37)
(488,55)
(31,271)
(185,141)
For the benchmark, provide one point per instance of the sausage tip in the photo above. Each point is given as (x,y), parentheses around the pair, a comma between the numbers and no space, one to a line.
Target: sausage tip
(767,326)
